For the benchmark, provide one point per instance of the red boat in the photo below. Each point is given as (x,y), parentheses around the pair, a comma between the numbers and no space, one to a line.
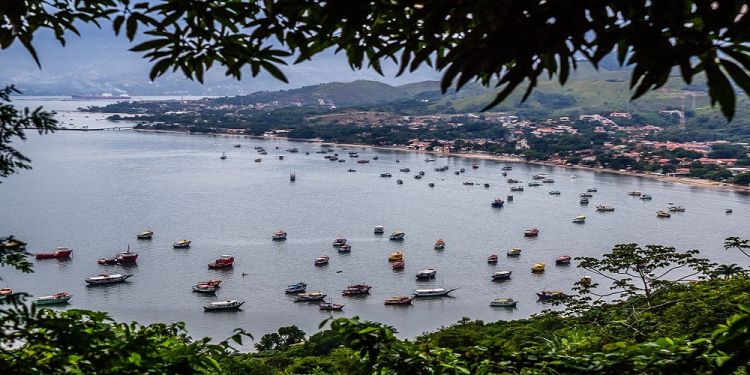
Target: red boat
(225,261)
(212,282)
(354,290)
(60,252)
(398,265)
(6,291)
(563,259)
(127,257)
(533,232)
(492,259)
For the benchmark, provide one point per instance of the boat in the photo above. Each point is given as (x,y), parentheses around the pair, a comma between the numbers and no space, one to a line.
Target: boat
(533,232)
(258,160)
(339,242)
(554,192)
(396,257)
(510,198)
(398,300)
(356,290)
(398,265)
(540,176)
(279,235)
(321,261)
(503,302)
(507,168)
(497,203)
(213,282)
(573,177)
(514,252)
(344,249)
(431,184)
(293,150)
(462,170)
(429,159)
(281,157)
(563,260)
(310,297)
(351,170)
(223,156)
(330,306)
(296,288)
(645,197)
(676,209)
(492,259)
(223,305)
(362,161)
(127,256)
(512,181)
(400,182)
(468,183)
(548,295)
(584,200)
(55,299)
(385,175)
(59,253)
(5,292)
(586,195)
(417,176)
(181,244)
(237,146)
(662,213)
(426,274)
(604,208)
(486,185)
(634,193)
(439,245)
(292,177)
(585,281)
(404,170)
(534,184)
(107,279)
(591,190)
(397,235)
(145,235)
(225,261)
(435,292)
(475,166)
(204,288)
(421,173)
(501,275)
(379,229)
(537,267)
(548,181)
(516,188)
(504,174)
(728,210)
(580,219)
(107,261)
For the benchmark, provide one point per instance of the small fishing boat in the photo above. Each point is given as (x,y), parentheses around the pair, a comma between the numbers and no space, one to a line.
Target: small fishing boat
(435,292)
(296,288)
(212,282)
(145,235)
(635,193)
(379,229)
(281,157)
(534,184)
(344,249)
(339,242)
(580,219)
(486,185)
(492,259)
(55,299)
(501,275)
(512,181)
(533,232)
(554,192)
(385,175)
(585,281)
(363,161)
(504,174)
(107,279)
(439,245)
(584,200)
(310,297)
(223,156)
(351,170)
(563,260)
(431,184)
(603,208)
(591,190)
(548,181)
(398,265)
(728,210)
(503,302)
(676,209)
(225,261)
(356,290)
(468,183)
(321,261)
(586,195)
(59,253)
(330,306)
(417,176)
(516,188)
(497,203)
(107,261)
(537,267)
(514,252)
(645,197)
(396,256)
(397,235)
(204,288)
(510,198)
(507,168)
(475,166)
(237,146)
(292,177)
(426,274)
(181,244)
(279,235)
(548,295)
(5,292)
(399,300)
(224,305)
(399,182)
(662,213)
(404,170)
(429,159)
(258,160)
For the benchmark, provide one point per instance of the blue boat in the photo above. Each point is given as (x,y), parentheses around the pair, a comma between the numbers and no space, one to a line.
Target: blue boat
(296,288)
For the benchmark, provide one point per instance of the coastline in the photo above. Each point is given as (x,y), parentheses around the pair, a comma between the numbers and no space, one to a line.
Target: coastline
(707,184)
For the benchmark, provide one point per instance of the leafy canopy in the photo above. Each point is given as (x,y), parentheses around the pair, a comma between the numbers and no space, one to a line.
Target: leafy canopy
(498,43)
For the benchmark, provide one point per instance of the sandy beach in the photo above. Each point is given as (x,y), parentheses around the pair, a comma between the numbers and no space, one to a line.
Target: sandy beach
(708,184)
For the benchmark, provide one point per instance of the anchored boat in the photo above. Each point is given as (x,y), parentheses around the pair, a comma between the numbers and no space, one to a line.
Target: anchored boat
(296,288)
(279,235)
(501,275)
(223,305)
(399,300)
(503,302)
(107,279)
(225,261)
(55,299)
(436,292)
(181,244)
(145,235)
(426,274)
(59,253)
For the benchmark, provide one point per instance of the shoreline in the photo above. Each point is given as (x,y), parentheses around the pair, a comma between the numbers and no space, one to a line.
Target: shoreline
(700,183)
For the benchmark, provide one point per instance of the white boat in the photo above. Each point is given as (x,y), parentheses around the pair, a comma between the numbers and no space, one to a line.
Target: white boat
(676,209)
(397,235)
(503,302)
(604,208)
(57,298)
(223,305)
(436,292)
(580,219)
(426,274)
(379,229)
(501,275)
(107,279)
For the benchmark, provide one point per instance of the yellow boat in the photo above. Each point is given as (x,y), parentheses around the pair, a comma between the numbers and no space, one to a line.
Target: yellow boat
(514,252)
(396,257)
(537,268)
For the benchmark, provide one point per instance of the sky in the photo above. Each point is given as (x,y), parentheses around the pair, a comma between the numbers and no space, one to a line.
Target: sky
(98,61)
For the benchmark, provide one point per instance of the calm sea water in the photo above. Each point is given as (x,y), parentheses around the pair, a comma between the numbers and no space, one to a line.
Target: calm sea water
(95,191)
